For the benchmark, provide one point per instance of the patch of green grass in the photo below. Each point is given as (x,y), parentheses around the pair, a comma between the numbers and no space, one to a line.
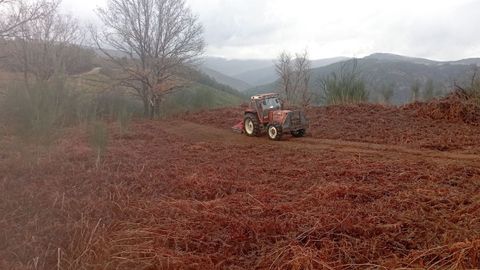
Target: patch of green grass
(198,97)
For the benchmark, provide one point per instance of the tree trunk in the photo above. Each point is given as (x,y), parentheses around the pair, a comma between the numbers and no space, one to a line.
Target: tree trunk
(156,107)
(152,111)
(146,98)
(146,108)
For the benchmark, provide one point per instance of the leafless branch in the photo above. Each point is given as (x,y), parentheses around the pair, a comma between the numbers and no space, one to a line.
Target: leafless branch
(294,77)
(16,13)
(47,45)
(155,39)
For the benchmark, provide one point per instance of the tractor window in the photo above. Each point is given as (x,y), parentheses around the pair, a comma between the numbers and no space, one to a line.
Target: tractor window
(271,103)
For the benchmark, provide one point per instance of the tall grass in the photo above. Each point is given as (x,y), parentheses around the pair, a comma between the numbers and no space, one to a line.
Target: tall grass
(98,138)
(344,87)
(124,117)
(39,109)
(195,98)
(36,109)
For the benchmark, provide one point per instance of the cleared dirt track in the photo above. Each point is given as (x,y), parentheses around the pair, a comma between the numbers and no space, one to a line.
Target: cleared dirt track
(199,133)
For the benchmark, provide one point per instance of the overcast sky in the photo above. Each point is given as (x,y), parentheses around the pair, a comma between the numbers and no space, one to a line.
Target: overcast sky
(239,29)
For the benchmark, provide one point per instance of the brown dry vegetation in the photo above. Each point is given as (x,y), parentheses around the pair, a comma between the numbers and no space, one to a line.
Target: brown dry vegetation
(446,124)
(177,195)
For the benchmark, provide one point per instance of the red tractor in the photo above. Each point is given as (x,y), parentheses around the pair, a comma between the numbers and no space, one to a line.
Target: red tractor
(266,113)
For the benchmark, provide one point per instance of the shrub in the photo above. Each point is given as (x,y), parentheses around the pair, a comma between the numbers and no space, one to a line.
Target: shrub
(345,86)
(37,108)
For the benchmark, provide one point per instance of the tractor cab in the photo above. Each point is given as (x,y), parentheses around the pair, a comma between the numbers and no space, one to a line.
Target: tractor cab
(266,113)
(271,103)
(263,104)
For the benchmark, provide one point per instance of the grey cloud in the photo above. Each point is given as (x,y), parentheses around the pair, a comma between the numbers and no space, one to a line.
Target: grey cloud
(439,29)
(239,23)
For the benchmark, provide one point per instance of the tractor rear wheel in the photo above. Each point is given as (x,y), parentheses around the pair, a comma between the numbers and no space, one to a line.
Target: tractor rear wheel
(251,125)
(298,133)
(275,132)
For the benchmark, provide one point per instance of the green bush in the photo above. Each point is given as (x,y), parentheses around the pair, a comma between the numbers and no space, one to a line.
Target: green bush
(344,87)
(112,104)
(197,97)
(39,108)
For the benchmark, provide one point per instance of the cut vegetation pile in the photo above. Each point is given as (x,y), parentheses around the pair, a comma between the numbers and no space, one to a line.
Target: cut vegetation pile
(456,107)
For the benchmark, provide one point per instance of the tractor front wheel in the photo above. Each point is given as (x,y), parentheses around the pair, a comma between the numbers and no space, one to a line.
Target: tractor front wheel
(274,132)
(251,125)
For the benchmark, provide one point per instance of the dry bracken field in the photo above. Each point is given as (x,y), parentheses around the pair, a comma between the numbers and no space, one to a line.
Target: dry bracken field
(369,187)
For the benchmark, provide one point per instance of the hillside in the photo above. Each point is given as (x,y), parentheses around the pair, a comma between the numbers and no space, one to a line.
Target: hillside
(401,58)
(267,75)
(381,70)
(202,91)
(199,97)
(258,76)
(231,67)
(226,80)
(252,72)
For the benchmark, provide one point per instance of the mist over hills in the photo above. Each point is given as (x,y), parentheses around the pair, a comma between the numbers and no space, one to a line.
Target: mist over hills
(416,60)
(232,67)
(225,79)
(268,74)
(250,72)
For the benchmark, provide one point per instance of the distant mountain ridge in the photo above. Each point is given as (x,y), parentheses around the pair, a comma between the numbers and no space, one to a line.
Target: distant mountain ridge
(252,76)
(268,74)
(383,70)
(417,60)
(252,72)
(225,79)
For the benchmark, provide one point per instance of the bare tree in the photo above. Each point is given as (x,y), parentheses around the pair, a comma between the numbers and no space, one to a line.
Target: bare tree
(415,91)
(284,70)
(294,78)
(46,46)
(153,40)
(344,86)
(387,92)
(16,13)
(302,73)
